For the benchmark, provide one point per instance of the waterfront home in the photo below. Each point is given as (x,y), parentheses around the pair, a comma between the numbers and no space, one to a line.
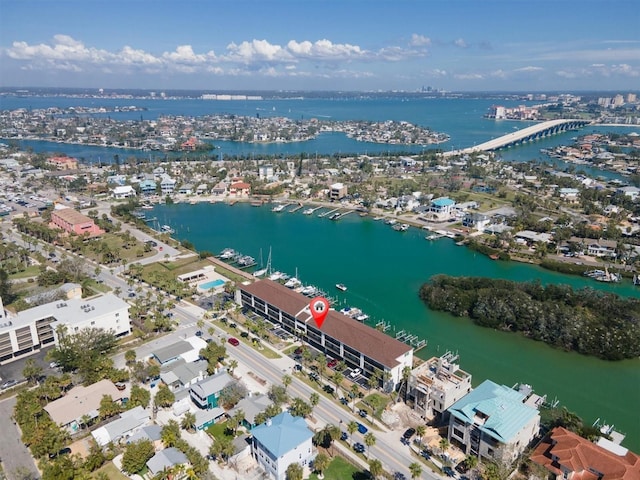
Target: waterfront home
(63,163)
(220,189)
(201,189)
(442,208)
(240,189)
(186,189)
(567,455)
(124,191)
(205,393)
(437,384)
(629,191)
(281,441)
(602,248)
(148,187)
(167,185)
(337,191)
(475,221)
(493,421)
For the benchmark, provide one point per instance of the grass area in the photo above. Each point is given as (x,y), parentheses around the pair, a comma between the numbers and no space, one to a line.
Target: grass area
(30,271)
(340,469)
(369,400)
(258,347)
(218,431)
(430,465)
(111,471)
(229,274)
(131,252)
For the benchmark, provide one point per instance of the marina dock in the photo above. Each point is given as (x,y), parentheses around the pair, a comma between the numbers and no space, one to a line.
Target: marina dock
(295,209)
(326,214)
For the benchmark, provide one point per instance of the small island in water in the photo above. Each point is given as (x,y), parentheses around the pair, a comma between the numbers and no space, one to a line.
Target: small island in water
(586,321)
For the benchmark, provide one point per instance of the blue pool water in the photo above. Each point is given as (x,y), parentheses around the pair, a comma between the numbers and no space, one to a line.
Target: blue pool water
(212,284)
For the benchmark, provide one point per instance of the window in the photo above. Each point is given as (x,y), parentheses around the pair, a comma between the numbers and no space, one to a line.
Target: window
(118,314)
(93,323)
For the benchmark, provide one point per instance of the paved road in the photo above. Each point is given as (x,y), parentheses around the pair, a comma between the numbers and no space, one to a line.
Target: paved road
(15,457)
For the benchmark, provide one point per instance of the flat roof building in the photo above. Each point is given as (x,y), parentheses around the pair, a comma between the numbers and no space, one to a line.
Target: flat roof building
(35,328)
(358,344)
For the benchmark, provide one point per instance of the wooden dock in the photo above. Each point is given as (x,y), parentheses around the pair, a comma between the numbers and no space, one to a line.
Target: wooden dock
(232,269)
(295,209)
(326,214)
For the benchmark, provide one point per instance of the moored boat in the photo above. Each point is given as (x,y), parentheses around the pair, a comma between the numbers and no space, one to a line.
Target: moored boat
(341,286)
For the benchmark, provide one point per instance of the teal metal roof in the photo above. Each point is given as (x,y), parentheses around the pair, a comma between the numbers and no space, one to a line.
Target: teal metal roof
(283,434)
(443,202)
(503,406)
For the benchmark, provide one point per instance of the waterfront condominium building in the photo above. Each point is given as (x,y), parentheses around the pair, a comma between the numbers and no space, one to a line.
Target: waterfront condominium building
(341,337)
(494,421)
(437,384)
(31,330)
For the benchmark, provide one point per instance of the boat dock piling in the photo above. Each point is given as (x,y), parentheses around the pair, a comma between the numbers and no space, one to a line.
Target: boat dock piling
(294,210)
(344,214)
(325,214)
(383,326)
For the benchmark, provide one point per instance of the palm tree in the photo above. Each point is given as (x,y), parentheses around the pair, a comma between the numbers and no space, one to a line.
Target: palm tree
(338,377)
(420,431)
(320,464)
(369,441)
(233,364)
(286,381)
(188,421)
(375,468)
(444,444)
(415,469)
(352,427)
(294,472)
(314,399)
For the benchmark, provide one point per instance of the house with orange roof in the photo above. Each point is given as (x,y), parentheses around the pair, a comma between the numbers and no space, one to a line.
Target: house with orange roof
(568,456)
(63,163)
(240,189)
(72,221)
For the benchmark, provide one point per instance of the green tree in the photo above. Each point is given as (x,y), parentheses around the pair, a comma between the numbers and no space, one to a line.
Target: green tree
(286,381)
(139,396)
(170,434)
(352,427)
(415,469)
(188,421)
(299,408)
(369,441)
(164,397)
(420,431)
(375,468)
(294,472)
(130,357)
(31,371)
(136,455)
(108,408)
(320,464)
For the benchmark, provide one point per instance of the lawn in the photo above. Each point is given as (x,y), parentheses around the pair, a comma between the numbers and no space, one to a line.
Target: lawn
(112,472)
(339,469)
(218,430)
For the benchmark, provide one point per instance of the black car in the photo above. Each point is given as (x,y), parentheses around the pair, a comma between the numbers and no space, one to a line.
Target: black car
(343,436)
(199,333)
(344,401)
(409,432)
(425,454)
(358,447)
(449,472)
(363,413)
(329,389)
(399,476)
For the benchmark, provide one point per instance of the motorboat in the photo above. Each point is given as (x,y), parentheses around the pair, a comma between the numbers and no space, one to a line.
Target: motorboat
(341,286)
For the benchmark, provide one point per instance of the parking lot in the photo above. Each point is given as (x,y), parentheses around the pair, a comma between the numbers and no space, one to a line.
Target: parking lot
(13,370)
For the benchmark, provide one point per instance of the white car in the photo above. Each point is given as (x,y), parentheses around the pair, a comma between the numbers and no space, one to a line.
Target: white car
(355,372)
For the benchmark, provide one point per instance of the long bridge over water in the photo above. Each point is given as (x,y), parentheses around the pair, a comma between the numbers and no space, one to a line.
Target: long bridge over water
(534,132)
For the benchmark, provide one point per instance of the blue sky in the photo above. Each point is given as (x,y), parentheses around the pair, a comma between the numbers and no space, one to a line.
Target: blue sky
(455,45)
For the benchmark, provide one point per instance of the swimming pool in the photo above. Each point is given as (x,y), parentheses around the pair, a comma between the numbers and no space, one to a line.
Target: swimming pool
(212,284)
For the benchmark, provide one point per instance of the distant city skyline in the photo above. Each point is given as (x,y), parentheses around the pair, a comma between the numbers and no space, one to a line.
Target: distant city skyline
(454,45)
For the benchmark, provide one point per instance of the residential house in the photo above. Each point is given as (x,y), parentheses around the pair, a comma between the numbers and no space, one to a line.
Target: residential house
(569,194)
(72,221)
(149,432)
(493,421)
(568,456)
(206,418)
(220,189)
(173,352)
(281,441)
(167,185)
(165,459)
(202,189)
(186,189)
(475,221)
(629,191)
(205,393)
(128,423)
(239,189)
(437,384)
(265,172)
(183,374)
(337,191)
(251,406)
(602,248)
(63,163)
(124,191)
(148,187)
(441,208)
(82,402)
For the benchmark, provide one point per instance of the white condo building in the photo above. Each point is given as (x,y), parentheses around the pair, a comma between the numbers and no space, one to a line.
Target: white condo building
(31,330)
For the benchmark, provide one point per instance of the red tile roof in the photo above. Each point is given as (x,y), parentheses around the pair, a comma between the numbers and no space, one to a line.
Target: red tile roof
(369,341)
(579,455)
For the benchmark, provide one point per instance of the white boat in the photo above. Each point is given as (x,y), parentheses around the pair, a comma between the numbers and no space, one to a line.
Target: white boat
(278,208)
(293,282)
(167,229)
(275,276)
(309,291)
(391,221)
(308,211)
(341,286)
(362,317)
(228,254)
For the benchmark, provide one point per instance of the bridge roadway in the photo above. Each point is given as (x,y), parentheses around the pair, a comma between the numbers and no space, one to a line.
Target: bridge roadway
(540,130)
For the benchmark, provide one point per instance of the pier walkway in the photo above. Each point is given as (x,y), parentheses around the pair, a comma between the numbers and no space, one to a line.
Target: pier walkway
(528,134)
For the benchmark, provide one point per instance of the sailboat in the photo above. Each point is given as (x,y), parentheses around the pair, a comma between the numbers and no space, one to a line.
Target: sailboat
(263,271)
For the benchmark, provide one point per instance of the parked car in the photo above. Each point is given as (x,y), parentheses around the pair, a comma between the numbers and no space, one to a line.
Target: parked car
(120,385)
(233,341)
(362,429)
(344,401)
(329,389)
(8,384)
(343,436)
(409,432)
(332,363)
(355,372)
(449,472)
(358,447)
(199,333)
(362,413)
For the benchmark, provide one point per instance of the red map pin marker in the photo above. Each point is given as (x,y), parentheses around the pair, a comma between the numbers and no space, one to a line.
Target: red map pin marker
(319,308)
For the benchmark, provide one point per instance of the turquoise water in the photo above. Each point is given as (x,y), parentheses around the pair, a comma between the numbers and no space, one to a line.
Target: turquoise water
(384,269)
(212,284)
